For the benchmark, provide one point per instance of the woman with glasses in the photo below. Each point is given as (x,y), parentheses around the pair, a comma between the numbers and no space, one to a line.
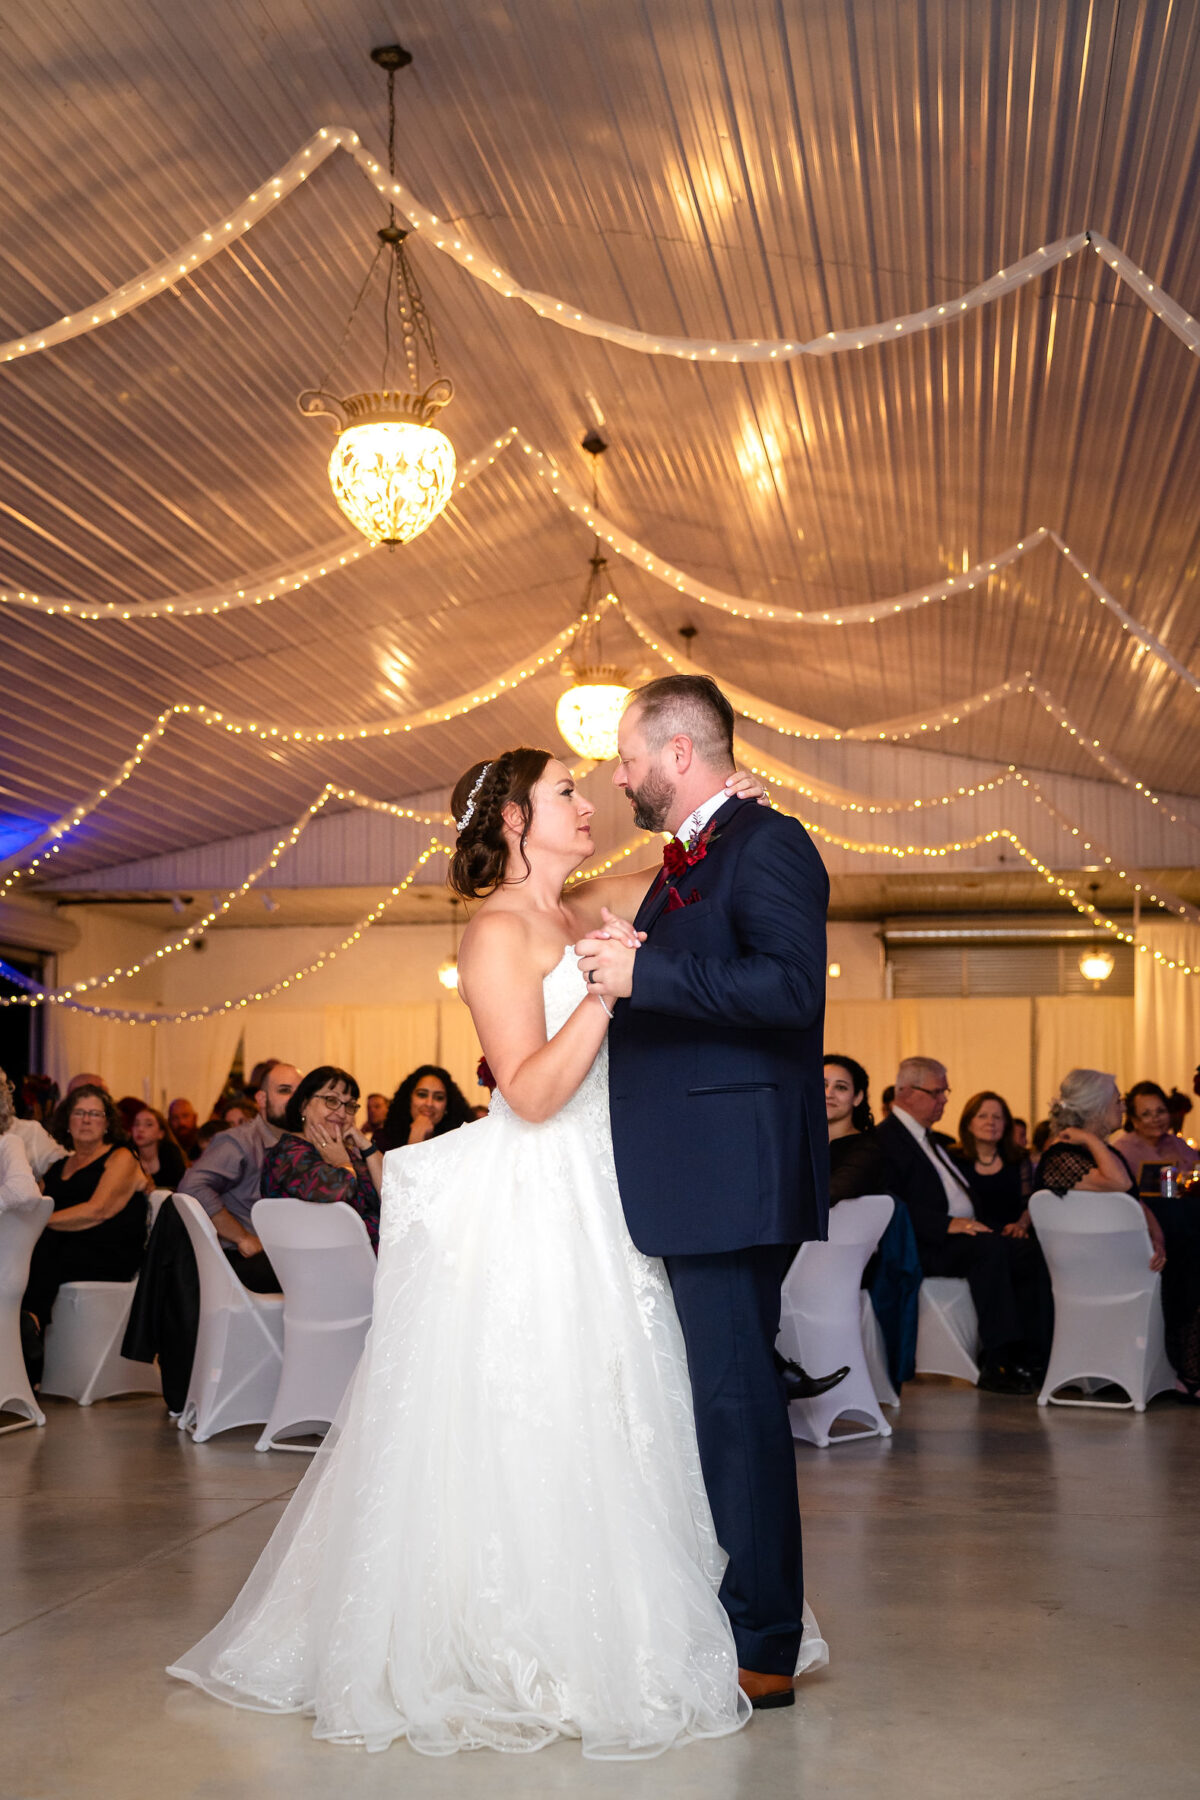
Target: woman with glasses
(321,1156)
(97,1231)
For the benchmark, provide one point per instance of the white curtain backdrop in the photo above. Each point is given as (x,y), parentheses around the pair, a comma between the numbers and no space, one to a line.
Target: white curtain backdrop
(379,1045)
(983,1043)
(1081,1031)
(192,1061)
(1167,1008)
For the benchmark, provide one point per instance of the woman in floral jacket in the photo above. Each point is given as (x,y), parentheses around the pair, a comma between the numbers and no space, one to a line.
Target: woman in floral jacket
(320,1155)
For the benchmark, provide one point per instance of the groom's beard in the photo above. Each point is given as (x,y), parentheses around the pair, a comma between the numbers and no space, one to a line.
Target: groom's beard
(652,802)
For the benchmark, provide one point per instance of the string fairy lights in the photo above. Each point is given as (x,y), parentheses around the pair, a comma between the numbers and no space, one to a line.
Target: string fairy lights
(189,1015)
(300,572)
(164,276)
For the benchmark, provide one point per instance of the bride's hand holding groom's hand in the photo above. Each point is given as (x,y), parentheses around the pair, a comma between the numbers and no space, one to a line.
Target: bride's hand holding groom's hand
(606,957)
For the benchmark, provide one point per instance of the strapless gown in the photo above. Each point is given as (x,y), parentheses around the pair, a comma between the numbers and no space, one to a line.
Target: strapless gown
(505,1538)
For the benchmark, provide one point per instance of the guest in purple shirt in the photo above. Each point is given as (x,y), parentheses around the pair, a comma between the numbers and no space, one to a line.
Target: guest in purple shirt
(1147,1137)
(321,1156)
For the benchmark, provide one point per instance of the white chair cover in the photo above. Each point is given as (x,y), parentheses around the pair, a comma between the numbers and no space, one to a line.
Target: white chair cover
(239,1344)
(1108,1324)
(820,1324)
(326,1268)
(84,1337)
(947,1329)
(875,1351)
(20,1229)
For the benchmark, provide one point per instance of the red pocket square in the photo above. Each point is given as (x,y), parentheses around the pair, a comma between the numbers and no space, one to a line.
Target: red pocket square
(676,901)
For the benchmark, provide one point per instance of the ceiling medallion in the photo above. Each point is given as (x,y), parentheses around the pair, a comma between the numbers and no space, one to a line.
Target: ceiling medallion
(392,471)
(589,712)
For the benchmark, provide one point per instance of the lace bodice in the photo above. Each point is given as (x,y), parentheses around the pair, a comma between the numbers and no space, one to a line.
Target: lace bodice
(563,989)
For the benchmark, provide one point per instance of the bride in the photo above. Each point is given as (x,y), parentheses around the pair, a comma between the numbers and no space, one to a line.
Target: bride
(505,1538)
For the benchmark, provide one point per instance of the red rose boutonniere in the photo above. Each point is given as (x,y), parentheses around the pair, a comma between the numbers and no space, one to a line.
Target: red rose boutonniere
(678,858)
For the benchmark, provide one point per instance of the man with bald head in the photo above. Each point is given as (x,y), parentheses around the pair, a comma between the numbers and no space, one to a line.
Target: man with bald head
(226,1178)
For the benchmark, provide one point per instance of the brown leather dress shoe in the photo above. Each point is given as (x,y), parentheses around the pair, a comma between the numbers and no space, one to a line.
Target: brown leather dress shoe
(766,1690)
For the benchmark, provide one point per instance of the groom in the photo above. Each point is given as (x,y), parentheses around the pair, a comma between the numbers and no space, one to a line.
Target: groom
(718,1122)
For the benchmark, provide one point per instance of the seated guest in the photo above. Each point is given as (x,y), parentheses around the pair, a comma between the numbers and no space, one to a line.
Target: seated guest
(1178,1108)
(319,1156)
(1076,1158)
(227,1179)
(1148,1138)
(207,1132)
(97,1231)
(160,1156)
(1007,1276)
(1020,1134)
(857,1166)
(78,1081)
(427,1103)
(129,1106)
(999,1173)
(885,1102)
(1041,1137)
(241,1110)
(40,1148)
(17,1185)
(377,1107)
(183,1123)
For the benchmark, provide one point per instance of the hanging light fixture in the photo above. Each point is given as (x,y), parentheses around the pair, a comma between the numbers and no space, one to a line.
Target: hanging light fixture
(1097,964)
(392,471)
(589,712)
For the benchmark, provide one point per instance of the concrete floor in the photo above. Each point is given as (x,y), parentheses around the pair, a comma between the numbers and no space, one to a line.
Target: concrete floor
(1012,1600)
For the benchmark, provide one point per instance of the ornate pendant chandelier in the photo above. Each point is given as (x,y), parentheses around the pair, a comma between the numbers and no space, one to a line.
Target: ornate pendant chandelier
(588,713)
(391,470)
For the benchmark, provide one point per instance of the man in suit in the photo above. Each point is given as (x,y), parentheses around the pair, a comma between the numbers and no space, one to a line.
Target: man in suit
(1007,1276)
(718,1118)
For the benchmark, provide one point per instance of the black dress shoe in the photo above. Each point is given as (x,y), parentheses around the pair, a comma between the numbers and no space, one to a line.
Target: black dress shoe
(997,1378)
(798,1384)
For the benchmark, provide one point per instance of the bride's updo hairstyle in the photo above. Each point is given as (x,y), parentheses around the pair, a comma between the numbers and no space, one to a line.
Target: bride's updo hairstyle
(480,858)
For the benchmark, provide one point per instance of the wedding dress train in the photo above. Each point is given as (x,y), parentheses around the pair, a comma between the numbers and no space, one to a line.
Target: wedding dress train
(505,1538)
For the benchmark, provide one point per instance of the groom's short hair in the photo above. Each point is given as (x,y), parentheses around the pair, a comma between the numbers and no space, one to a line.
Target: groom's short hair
(690,706)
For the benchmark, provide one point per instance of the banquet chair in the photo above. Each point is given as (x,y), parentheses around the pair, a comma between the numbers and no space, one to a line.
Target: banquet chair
(326,1268)
(20,1229)
(1108,1323)
(239,1343)
(820,1323)
(84,1336)
(947,1329)
(875,1351)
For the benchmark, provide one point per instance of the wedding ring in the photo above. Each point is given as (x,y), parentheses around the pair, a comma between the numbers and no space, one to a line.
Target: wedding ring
(591,976)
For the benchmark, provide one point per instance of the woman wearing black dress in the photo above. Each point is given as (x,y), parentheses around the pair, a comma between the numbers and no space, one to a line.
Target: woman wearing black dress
(163,1162)
(998,1172)
(857,1166)
(97,1231)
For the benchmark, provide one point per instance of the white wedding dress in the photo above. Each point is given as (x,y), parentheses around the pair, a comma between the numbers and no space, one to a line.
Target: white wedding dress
(505,1539)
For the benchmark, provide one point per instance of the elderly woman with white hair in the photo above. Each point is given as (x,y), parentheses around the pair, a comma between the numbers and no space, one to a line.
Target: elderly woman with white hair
(1087,1109)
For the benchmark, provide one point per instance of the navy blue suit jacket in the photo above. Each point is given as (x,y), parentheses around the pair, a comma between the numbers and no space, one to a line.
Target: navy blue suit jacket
(715,1061)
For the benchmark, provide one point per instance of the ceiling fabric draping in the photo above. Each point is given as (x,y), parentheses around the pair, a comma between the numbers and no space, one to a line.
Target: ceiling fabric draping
(713,174)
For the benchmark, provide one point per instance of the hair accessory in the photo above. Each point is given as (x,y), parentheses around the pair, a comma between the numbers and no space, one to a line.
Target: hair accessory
(461,824)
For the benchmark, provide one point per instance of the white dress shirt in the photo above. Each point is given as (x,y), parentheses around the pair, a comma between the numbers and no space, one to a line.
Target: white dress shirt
(695,822)
(42,1150)
(17,1186)
(958,1195)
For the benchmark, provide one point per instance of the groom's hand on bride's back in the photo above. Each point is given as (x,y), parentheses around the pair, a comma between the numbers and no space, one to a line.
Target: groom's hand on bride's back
(606,957)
